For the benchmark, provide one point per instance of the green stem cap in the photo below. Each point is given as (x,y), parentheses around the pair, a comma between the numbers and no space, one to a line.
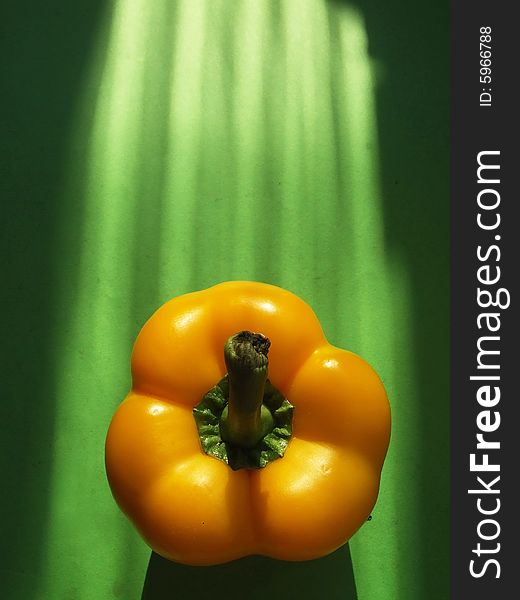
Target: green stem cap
(244,420)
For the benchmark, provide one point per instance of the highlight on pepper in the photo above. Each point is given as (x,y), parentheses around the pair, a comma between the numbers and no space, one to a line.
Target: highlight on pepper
(245,431)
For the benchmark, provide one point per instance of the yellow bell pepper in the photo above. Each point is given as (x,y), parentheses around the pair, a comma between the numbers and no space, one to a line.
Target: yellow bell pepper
(312,487)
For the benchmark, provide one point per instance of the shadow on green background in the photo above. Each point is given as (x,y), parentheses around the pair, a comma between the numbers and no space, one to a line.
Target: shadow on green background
(411,41)
(253,577)
(45,50)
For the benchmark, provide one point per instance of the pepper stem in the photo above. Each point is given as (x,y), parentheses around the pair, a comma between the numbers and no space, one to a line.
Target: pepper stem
(245,420)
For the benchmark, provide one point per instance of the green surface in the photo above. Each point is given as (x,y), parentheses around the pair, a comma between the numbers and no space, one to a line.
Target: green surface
(154,148)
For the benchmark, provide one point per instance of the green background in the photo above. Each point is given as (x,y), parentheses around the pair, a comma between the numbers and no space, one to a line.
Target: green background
(152,148)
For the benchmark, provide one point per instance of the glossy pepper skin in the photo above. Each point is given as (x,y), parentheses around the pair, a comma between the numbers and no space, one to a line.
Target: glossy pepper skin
(193,508)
